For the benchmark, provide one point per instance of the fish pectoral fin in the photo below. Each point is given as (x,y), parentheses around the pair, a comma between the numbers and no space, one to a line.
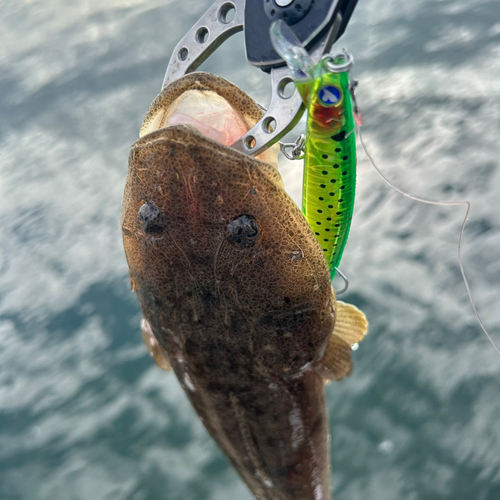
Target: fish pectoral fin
(155,349)
(350,327)
(351,324)
(337,362)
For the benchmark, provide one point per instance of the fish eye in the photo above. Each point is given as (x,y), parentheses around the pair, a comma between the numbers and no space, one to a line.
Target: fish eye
(243,231)
(151,218)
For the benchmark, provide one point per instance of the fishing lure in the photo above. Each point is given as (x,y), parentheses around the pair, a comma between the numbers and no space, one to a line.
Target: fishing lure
(330,147)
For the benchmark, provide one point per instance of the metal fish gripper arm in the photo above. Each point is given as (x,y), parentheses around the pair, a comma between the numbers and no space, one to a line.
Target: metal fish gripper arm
(318,25)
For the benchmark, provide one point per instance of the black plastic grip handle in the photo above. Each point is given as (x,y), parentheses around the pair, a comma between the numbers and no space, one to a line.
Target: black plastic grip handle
(307,18)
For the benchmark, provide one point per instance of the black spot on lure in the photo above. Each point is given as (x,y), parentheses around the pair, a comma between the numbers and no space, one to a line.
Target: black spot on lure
(330,149)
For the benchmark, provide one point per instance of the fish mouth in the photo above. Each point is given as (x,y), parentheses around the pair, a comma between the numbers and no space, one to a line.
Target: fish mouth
(208,105)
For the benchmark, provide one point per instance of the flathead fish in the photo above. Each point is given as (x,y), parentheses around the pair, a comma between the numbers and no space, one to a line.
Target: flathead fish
(234,288)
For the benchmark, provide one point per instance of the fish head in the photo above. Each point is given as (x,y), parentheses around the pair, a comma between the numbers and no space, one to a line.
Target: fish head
(215,245)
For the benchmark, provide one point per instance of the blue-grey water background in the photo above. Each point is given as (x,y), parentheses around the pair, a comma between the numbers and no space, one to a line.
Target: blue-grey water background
(84,412)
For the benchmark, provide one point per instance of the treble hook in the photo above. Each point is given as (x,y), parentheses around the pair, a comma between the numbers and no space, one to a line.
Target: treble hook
(346,281)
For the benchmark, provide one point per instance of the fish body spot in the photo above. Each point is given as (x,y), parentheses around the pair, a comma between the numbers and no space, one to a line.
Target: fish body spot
(296,255)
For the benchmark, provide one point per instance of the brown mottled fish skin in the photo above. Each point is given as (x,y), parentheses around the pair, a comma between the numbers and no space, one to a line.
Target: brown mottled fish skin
(243,327)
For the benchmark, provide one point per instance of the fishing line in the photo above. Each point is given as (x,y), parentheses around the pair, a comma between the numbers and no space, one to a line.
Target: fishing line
(443,204)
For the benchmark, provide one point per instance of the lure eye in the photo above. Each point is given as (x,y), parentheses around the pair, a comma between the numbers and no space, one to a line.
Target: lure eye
(243,231)
(151,218)
(329,95)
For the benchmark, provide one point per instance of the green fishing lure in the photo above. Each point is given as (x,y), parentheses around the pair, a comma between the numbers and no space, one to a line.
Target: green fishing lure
(330,157)
(330,146)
